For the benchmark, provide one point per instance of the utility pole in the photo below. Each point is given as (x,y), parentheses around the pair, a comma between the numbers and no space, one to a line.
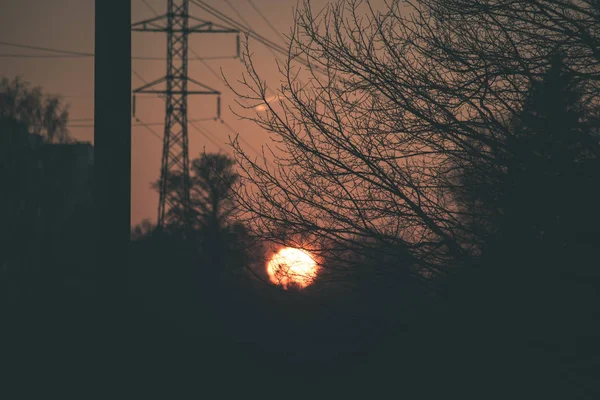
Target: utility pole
(178,25)
(112,148)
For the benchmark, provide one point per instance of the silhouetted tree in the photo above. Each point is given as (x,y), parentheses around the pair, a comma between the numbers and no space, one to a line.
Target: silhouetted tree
(531,210)
(542,177)
(367,143)
(30,121)
(223,242)
(367,137)
(21,197)
(537,196)
(213,180)
(44,115)
(142,230)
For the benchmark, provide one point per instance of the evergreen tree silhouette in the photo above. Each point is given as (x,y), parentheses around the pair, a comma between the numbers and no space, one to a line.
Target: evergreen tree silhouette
(533,208)
(536,188)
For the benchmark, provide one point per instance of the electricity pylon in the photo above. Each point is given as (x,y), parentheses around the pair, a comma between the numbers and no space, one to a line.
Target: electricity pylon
(175,156)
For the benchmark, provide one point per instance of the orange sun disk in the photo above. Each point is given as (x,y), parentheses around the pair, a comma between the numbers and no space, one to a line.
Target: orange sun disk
(292,266)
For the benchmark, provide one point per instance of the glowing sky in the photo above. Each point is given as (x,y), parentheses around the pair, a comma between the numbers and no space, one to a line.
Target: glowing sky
(69,24)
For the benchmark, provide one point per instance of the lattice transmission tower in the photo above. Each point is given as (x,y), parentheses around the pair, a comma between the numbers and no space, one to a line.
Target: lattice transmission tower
(178,25)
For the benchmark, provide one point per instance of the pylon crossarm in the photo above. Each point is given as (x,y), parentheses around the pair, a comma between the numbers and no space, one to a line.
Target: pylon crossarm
(176,87)
(219,28)
(209,28)
(212,91)
(150,25)
(142,89)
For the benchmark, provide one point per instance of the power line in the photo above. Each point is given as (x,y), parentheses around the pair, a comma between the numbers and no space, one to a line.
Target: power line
(261,39)
(213,11)
(240,16)
(267,21)
(200,129)
(223,17)
(10,55)
(61,53)
(147,126)
(237,135)
(48,49)
(258,153)
(71,96)
(139,76)
(176,144)
(207,135)
(222,121)
(207,66)
(204,132)
(198,58)
(71,56)
(91,125)
(150,7)
(248,26)
(149,58)
(212,71)
(216,13)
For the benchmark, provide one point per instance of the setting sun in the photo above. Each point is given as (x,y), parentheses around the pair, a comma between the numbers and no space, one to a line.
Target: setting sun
(292,266)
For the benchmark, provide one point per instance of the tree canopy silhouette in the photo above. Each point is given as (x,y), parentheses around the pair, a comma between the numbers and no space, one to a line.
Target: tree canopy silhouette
(539,185)
(43,195)
(365,141)
(221,240)
(42,114)
(457,142)
(212,179)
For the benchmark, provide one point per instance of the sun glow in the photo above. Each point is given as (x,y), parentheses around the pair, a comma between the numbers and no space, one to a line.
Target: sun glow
(264,106)
(292,266)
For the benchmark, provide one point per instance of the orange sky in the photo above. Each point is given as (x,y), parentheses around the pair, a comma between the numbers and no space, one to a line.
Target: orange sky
(69,25)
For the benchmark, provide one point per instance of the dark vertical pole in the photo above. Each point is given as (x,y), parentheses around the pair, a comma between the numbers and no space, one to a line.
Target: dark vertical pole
(112,149)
